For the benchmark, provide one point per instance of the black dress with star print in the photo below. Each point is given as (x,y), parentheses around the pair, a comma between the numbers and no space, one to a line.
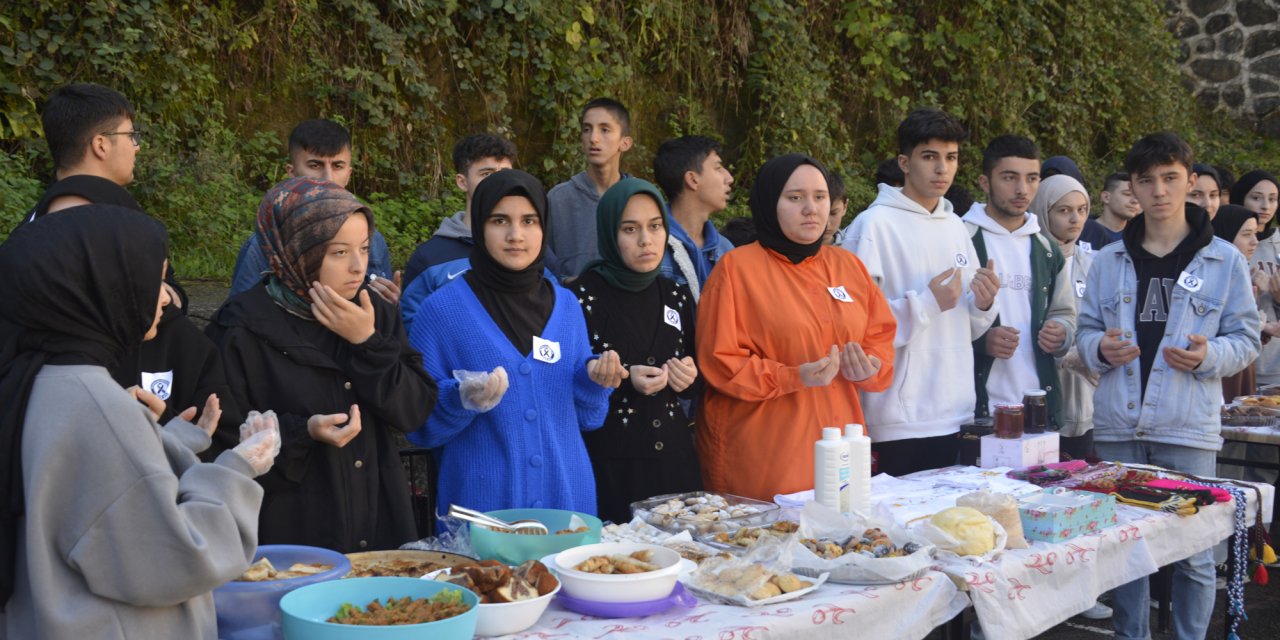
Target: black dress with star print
(646,445)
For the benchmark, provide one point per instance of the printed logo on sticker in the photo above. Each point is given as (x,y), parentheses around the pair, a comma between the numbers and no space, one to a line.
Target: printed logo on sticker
(546,350)
(1086,246)
(840,294)
(1079,288)
(671,317)
(1190,282)
(962,260)
(159,383)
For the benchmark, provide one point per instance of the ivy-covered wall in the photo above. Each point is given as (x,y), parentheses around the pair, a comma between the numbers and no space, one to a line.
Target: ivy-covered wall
(219,84)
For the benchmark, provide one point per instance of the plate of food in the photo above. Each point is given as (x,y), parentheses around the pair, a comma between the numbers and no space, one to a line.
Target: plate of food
(746,537)
(1250,415)
(701,512)
(512,599)
(402,563)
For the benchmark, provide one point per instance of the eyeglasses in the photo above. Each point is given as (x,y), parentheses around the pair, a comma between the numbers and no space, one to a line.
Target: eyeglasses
(135,135)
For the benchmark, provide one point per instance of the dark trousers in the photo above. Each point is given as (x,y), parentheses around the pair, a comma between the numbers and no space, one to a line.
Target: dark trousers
(900,457)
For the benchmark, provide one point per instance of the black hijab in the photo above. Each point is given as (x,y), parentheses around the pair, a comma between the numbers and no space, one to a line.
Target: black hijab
(770,180)
(520,302)
(89,302)
(1244,185)
(1230,217)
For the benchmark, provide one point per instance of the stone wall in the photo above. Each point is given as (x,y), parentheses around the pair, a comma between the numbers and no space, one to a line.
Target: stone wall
(1231,56)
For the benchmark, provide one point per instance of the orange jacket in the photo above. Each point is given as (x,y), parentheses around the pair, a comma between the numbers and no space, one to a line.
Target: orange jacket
(759,318)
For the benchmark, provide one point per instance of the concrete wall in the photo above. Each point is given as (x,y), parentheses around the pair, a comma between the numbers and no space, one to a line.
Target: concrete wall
(1231,56)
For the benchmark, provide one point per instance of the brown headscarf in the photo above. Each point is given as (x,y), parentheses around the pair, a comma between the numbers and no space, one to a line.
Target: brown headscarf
(296,221)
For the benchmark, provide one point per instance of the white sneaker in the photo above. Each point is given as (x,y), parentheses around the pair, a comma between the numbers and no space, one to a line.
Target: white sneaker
(1098,611)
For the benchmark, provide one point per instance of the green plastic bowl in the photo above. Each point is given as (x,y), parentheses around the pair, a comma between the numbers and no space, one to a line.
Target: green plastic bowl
(305,610)
(514,548)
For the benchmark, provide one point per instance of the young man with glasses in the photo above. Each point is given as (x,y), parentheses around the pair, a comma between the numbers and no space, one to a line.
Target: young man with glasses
(94,143)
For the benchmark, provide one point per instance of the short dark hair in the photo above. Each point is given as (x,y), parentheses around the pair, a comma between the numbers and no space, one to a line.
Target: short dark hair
(480,146)
(740,230)
(1226,179)
(1155,150)
(923,125)
(1007,146)
(836,190)
(960,198)
(890,173)
(76,113)
(1201,169)
(678,156)
(614,108)
(324,138)
(1114,180)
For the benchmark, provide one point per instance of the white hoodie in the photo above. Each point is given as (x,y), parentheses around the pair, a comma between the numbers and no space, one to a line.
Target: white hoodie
(903,247)
(1012,252)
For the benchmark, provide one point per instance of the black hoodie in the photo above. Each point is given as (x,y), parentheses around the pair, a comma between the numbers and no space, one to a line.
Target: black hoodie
(1156,277)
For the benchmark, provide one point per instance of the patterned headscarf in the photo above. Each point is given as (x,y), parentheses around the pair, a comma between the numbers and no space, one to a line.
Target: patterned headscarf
(296,221)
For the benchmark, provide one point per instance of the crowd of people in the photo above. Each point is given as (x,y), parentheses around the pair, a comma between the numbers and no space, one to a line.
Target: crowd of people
(587,346)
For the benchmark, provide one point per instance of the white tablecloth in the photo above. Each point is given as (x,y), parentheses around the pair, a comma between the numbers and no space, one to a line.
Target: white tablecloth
(1020,594)
(905,610)
(1024,592)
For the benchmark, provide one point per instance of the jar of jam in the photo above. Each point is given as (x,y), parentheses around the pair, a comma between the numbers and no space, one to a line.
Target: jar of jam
(1009,421)
(1035,404)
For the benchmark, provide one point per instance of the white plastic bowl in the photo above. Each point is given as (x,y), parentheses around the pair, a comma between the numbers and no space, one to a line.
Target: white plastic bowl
(634,587)
(503,618)
(500,619)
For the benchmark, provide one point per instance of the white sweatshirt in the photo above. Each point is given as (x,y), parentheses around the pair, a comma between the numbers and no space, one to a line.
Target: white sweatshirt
(1012,253)
(903,247)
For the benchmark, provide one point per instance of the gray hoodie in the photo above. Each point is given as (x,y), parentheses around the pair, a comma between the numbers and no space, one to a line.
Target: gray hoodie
(571,207)
(126,532)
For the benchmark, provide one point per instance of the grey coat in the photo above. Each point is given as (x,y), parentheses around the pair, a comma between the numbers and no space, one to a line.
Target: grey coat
(126,533)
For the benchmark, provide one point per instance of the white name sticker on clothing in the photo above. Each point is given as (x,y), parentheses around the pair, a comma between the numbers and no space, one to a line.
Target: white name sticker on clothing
(840,294)
(159,383)
(1190,282)
(962,260)
(671,317)
(1086,246)
(546,350)
(1079,288)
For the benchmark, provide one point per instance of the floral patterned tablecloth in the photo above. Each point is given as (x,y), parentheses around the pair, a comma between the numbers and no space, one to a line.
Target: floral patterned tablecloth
(1024,592)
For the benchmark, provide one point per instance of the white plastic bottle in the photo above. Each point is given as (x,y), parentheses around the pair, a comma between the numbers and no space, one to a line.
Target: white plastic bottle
(859,470)
(830,468)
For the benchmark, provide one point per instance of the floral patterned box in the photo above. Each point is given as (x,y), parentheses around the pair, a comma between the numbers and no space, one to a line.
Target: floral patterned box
(1055,515)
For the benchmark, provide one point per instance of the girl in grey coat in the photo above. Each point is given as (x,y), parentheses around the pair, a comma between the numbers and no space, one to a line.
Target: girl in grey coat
(111,527)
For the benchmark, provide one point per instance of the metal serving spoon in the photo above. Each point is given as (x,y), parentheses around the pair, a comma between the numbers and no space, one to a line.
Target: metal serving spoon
(518,526)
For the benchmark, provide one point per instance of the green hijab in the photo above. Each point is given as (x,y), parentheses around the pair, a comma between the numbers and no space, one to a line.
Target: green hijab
(608,220)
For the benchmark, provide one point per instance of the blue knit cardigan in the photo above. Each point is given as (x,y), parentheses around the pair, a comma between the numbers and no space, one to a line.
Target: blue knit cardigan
(528,450)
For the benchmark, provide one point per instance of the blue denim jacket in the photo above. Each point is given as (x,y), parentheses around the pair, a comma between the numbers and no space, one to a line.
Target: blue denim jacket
(1178,408)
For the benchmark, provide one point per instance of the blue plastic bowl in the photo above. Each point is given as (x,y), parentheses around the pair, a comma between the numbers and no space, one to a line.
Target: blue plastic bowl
(305,610)
(251,610)
(515,548)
